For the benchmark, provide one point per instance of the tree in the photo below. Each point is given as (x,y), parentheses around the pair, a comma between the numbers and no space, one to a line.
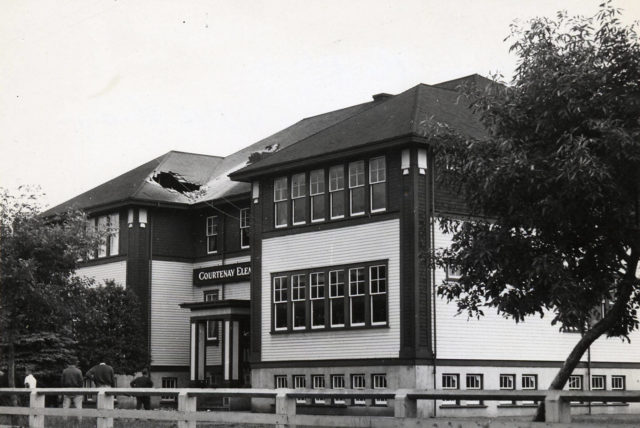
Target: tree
(38,258)
(111,329)
(553,192)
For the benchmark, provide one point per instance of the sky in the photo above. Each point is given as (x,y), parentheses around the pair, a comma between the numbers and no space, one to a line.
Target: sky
(90,89)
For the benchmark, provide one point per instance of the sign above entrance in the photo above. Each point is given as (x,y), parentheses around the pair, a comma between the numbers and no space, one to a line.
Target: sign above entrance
(222,274)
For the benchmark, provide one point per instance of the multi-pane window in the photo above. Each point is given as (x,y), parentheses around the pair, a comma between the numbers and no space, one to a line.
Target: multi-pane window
(618,383)
(114,234)
(474,381)
(300,382)
(336,191)
(169,383)
(336,297)
(103,227)
(298,301)
(356,296)
(356,187)
(358,382)
(575,382)
(212,234)
(529,381)
(507,381)
(452,273)
(211,295)
(316,190)
(280,295)
(317,382)
(379,381)
(316,284)
(337,382)
(280,201)
(450,381)
(378,291)
(377,181)
(280,381)
(298,200)
(598,382)
(245,228)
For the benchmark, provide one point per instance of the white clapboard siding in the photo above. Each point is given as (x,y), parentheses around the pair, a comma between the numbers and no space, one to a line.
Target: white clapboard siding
(198,292)
(214,354)
(116,271)
(495,337)
(357,244)
(238,291)
(171,285)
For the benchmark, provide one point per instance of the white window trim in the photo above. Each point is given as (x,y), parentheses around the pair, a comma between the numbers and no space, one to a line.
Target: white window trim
(333,191)
(535,382)
(244,215)
(359,401)
(377,293)
(207,330)
(293,300)
(312,299)
(209,235)
(279,302)
(331,298)
(456,381)
(372,183)
(351,323)
(301,198)
(278,379)
(276,201)
(351,187)
(114,234)
(573,387)
(512,380)
(622,379)
(476,376)
(604,382)
(313,195)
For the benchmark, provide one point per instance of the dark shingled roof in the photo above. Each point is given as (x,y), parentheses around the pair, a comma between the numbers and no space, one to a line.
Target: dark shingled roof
(405,114)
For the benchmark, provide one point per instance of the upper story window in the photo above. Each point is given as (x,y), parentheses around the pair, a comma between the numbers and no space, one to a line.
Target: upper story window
(336,191)
(212,234)
(316,190)
(377,181)
(364,302)
(211,295)
(298,200)
(245,227)
(280,201)
(356,187)
(109,228)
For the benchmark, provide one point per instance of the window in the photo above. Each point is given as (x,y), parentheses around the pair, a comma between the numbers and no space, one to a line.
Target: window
(474,381)
(529,381)
(618,383)
(379,381)
(280,288)
(298,200)
(114,234)
(450,381)
(298,301)
(169,382)
(212,234)
(453,274)
(317,382)
(336,191)
(103,228)
(356,296)
(356,187)
(598,382)
(337,382)
(300,382)
(336,297)
(280,201)
(377,181)
(212,326)
(316,190)
(316,283)
(378,291)
(362,302)
(575,382)
(280,381)
(358,382)
(211,295)
(245,228)
(507,381)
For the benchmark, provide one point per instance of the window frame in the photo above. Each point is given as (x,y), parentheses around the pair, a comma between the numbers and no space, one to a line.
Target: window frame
(353,295)
(280,197)
(604,382)
(301,289)
(571,387)
(298,194)
(372,294)
(280,301)
(316,195)
(357,185)
(382,182)
(320,288)
(245,227)
(113,238)
(277,379)
(622,378)
(358,401)
(212,230)
(166,382)
(338,191)
(529,376)
(337,297)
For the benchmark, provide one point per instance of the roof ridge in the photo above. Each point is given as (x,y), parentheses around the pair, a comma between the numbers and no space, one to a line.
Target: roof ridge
(195,154)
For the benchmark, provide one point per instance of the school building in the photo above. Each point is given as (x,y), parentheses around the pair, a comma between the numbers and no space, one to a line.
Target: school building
(299,262)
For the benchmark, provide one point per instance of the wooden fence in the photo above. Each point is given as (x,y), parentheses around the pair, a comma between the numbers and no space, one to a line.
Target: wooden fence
(557,405)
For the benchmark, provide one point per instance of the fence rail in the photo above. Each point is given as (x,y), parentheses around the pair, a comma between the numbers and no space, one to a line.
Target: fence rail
(557,404)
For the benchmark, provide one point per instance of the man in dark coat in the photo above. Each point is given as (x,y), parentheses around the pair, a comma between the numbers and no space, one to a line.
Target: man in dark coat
(143,381)
(72,378)
(102,375)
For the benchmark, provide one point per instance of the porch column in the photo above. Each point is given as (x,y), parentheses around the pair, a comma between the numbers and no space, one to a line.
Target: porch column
(198,350)
(231,350)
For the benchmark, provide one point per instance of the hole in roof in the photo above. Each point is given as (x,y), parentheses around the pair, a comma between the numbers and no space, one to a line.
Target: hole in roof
(173,181)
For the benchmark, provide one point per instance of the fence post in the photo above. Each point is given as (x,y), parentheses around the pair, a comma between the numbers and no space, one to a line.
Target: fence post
(186,404)
(285,405)
(405,407)
(104,402)
(36,401)
(556,409)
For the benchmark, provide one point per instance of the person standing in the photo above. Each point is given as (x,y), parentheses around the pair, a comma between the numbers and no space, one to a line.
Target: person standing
(143,381)
(102,375)
(71,378)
